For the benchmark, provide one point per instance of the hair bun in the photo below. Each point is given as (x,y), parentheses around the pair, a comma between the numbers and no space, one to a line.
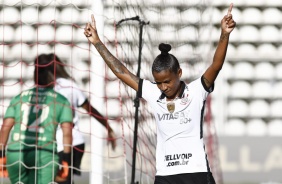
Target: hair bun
(164,48)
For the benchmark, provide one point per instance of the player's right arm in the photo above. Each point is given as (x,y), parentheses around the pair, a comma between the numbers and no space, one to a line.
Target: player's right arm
(113,63)
(5,131)
(4,136)
(8,123)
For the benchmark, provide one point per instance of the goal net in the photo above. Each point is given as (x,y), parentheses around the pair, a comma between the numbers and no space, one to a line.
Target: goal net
(32,27)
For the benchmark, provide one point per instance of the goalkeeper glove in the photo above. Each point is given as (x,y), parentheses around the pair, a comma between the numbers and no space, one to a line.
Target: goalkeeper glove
(3,169)
(64,171)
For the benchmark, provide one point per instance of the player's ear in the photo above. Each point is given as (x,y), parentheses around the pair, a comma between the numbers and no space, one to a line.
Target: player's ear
(179,73)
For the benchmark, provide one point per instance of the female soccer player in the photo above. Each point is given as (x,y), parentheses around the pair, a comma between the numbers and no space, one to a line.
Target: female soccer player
(34,115)
(178,107)
(67,86)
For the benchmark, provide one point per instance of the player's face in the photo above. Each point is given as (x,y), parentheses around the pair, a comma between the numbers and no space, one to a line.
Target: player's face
(168,82)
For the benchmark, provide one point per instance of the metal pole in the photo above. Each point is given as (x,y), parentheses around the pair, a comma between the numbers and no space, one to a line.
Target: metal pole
(97,130)
(136,100)
(136,104)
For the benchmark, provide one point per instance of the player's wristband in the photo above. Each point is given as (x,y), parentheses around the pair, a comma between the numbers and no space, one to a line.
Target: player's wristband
(2,153)
(67,158)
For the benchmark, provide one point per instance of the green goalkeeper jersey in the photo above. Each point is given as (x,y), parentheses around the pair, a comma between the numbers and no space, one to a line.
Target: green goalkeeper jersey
(37,113)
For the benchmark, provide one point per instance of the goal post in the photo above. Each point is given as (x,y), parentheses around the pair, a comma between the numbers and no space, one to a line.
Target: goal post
(97,87)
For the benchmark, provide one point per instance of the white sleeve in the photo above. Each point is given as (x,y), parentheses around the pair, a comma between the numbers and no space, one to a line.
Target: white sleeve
(198,85)
(78,95)
(71,91)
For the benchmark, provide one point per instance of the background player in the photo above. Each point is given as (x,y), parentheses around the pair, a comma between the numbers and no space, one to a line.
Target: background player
(34,115)
(67,86)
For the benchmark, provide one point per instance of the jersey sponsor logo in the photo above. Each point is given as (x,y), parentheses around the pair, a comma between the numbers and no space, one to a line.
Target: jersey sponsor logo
(177,159)
(182,116)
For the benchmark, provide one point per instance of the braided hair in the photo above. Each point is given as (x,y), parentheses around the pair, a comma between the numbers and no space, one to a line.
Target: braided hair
(165,61)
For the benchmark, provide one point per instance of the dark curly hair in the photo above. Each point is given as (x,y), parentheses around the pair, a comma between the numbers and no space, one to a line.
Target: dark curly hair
(165,61)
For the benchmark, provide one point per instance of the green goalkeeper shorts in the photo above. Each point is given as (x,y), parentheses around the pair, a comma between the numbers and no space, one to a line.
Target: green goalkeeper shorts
(38,166)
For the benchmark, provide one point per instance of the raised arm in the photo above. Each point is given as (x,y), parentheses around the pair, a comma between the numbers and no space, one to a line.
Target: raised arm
(113,63)
(227,26)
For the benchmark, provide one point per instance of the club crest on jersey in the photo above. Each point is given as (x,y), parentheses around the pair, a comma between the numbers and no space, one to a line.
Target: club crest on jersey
(185,100)
(170,106)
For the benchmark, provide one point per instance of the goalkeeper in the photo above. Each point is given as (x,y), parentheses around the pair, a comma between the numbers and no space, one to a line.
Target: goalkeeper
(31,121)
(67,86)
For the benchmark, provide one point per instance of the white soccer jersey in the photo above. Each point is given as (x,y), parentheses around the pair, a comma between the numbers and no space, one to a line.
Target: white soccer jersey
(70,90)
(180,146)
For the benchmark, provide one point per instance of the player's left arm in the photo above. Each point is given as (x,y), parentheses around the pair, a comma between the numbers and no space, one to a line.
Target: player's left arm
(227,26)
(101,119)
(67,136)
(64,172)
